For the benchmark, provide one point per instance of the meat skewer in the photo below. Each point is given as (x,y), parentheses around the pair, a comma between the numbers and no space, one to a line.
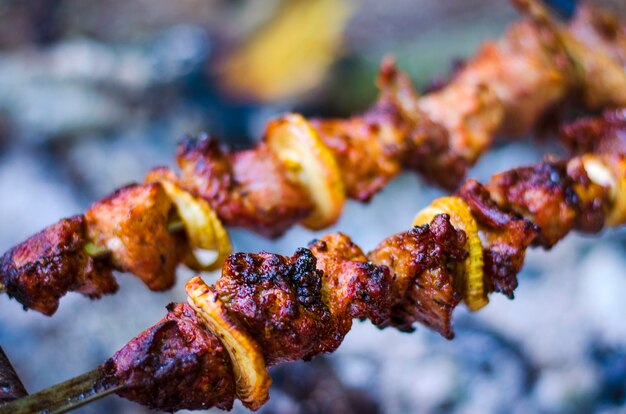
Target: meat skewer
(303,170)
(266,308)
(11,387)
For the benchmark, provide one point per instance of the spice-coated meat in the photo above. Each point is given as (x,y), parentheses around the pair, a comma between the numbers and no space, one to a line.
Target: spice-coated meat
(352,286)
(133,224)
(421,261)
(528,71)
(605,134)
(40,270)
(505,238)
(247,188)
(370,148)
(275,308)
(278,300)
(367,165)
(507,87)
(176,363)
(542,193)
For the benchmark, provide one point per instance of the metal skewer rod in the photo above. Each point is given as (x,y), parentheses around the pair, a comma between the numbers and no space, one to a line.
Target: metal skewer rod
(66,396)
(11,387)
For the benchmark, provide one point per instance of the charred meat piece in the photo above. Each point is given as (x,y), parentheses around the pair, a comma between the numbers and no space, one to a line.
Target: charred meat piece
(352,287)
(543,194)
(40,270)
(248,188)
(528,70)
(476,117)
(278,300)
(508,87)
(267,308)
(505,238)
(371,147)
(424,284)
(132,224)
(176,363)
(366,164)
(592,198)
(431,154)
(602,134)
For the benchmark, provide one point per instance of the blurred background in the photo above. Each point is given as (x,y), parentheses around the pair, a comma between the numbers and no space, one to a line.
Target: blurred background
(94,93)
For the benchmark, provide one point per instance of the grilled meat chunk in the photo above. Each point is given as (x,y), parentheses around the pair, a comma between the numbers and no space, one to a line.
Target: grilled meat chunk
(602,134)
(42,269)
(505,238)
(370,148)
(352,287)
(543,194)
(248,188)
(176,363)
(508,87)
(421,261)
(267,308)
(132,224)
(278,301)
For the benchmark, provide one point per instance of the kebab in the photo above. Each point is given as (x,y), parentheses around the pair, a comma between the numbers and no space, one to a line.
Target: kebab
(266,309)
(303,170)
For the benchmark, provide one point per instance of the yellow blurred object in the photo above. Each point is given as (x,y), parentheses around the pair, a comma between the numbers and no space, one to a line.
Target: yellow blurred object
(292,139)
(251,377)
(461,217)
(291,54)
(204,229)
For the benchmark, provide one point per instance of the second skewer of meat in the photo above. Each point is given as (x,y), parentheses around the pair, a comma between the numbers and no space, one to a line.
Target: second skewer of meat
(267,308)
